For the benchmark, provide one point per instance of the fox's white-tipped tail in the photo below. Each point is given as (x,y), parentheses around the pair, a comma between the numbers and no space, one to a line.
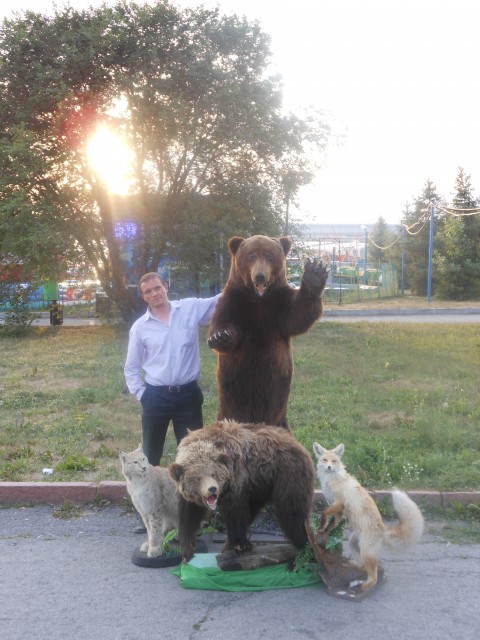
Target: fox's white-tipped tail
(410,528)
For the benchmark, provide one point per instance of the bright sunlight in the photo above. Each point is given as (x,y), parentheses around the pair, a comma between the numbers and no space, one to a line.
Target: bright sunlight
(112,159)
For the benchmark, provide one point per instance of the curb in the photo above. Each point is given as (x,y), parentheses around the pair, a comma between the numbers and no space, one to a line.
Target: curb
(33,493)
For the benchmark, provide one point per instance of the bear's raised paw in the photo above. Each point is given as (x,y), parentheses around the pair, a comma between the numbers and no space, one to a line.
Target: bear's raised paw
(315,274)
(220,339)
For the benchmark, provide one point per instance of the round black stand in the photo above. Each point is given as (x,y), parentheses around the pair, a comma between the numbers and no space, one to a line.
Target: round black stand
(141,559)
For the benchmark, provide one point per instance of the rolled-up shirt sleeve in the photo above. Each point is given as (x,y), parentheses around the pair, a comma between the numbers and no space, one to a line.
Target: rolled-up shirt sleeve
(133,365)
(206,307)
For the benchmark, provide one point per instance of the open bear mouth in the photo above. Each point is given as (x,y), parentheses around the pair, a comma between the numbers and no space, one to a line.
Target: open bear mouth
(211,501)
(260,288)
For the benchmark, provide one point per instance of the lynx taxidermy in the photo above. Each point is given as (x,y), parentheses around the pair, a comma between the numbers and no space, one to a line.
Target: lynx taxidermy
(350,500)
(154,496)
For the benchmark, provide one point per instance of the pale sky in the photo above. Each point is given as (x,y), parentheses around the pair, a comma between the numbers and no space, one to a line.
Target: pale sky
(402,78)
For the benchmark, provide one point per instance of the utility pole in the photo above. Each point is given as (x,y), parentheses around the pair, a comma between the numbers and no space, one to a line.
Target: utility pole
(365,278)
(430,254)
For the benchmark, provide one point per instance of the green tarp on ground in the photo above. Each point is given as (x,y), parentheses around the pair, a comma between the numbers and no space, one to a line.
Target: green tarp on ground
(202,572)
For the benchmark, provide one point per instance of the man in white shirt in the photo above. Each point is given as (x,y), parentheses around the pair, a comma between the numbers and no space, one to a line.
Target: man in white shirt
(163,363)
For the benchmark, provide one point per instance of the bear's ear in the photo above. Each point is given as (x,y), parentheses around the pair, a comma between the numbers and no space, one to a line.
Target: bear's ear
(176,471)
(286,244)
(223,458)
(234,243)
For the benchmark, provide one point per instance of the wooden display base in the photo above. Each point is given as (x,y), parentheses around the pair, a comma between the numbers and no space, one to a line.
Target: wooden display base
(342,578)
(262,555)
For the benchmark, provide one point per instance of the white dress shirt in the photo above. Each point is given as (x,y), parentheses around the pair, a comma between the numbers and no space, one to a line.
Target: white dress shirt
(163,354)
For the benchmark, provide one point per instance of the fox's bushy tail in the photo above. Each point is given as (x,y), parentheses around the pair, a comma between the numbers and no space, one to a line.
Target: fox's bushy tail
(410,528)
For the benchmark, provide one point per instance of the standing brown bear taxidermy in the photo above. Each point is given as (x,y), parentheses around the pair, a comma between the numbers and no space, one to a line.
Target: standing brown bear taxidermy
(240,468)
(252,327)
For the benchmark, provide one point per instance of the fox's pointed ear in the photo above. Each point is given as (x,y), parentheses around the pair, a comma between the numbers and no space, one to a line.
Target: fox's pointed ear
(318,450)
(339,450)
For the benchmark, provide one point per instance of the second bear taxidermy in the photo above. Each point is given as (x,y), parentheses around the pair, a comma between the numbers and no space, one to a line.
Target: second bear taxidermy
(348,499)
(241,468)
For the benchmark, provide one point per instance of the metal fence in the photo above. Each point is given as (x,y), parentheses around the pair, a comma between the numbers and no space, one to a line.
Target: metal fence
(347,282)
(353,283)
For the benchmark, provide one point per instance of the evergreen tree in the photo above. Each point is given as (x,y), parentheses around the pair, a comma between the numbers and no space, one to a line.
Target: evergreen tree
(380,240)
(398,248)
(417,223)
(457,259)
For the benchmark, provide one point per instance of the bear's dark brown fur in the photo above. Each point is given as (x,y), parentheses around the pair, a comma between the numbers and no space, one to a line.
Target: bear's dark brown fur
(252,327)
(241,468)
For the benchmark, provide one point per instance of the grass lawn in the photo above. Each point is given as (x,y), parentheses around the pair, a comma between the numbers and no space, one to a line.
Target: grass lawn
(404,398)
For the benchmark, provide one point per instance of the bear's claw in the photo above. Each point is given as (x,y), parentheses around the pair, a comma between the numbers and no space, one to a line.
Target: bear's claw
(242,547)
(220,338)
(315,274)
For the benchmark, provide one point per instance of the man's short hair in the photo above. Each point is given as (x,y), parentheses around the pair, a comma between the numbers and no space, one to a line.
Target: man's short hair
(149,276)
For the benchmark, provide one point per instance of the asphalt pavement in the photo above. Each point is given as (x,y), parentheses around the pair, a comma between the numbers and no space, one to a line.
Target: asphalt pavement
(458,315)
(74,579)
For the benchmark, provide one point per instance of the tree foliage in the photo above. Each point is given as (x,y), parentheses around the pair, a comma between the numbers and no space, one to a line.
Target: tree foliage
(188,90)
(457,261)
(381,238)
(417,223)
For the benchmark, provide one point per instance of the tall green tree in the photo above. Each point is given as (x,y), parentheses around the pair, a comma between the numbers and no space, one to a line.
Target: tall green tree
(187,89)
(380,240)
(457,260)
(417,224)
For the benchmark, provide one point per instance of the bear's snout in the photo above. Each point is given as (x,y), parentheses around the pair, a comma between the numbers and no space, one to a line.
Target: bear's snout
(261,281)
(212,490)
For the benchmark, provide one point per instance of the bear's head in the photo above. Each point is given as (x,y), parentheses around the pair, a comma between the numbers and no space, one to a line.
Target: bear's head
(259,263)
(201,472)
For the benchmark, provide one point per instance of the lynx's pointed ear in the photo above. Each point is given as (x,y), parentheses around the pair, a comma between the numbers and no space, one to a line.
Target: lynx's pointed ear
(140,447)
(234,244)
(339,450)
(318,450)
(286,244)
(123,456)
(176,471)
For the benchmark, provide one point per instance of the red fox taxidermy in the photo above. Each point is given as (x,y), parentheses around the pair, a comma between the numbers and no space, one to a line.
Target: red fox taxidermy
(348,499)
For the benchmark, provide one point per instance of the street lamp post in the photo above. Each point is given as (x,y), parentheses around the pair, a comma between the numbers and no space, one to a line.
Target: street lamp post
(366,252)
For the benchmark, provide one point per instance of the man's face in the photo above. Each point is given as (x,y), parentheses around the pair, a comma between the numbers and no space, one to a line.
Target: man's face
(154,292)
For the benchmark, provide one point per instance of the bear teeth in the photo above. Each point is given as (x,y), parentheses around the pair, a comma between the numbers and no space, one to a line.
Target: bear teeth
(211,502)
(261,288)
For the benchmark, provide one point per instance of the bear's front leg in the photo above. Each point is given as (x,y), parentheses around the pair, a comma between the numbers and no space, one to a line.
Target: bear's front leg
(315,274)
(237,520)
(190,516)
